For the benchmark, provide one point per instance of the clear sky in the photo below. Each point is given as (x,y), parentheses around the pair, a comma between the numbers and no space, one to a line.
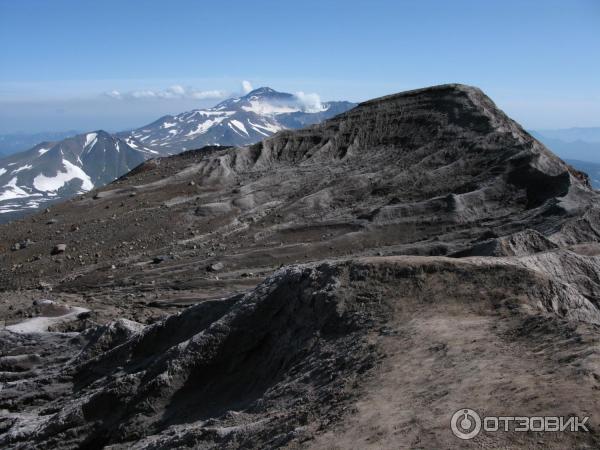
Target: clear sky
(82,64)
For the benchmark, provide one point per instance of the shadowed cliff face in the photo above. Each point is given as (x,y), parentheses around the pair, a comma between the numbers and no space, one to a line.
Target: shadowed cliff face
(380,206)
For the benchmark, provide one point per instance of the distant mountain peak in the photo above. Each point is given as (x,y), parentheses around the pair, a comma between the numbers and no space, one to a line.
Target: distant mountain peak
(260,91)
(236,121)
(52,171)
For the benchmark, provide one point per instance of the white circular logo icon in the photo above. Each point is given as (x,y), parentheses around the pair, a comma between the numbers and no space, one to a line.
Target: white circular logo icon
(465,424)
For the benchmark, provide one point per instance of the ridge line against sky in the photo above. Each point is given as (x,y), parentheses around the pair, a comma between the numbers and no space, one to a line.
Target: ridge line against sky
(69,64)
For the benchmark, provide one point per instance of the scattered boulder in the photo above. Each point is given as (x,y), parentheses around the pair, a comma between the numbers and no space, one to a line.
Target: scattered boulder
(26,243)
(99,195)
(43,301)
(158,259)
(58,249)
(216,267)
(51,221)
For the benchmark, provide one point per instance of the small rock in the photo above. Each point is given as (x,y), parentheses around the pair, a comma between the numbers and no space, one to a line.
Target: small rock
(216,267)
(16,246)
(43,301)
(59,248)
(52,221)
(192,183)
(158,259)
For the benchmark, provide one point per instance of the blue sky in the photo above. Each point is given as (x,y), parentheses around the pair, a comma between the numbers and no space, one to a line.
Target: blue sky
(60,60)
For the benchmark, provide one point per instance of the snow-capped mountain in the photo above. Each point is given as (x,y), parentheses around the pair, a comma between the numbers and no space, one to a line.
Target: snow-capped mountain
(236,121)
(57,170)
(53,171)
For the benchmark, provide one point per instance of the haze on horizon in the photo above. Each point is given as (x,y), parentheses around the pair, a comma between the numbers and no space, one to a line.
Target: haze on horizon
(87,65)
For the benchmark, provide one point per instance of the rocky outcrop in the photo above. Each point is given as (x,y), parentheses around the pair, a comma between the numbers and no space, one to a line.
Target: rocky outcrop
(270,367)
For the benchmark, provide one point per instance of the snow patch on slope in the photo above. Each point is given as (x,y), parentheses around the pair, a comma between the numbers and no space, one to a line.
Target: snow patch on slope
(49,184)
(239,125)
(25,167)
(89,138)
(13,191)
(203,127)
(271,128)
(41,324)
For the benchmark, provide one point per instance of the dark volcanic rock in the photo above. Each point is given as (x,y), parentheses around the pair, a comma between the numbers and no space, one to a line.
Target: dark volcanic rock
(284,362)
(216,267)
(349,350)
(58,249)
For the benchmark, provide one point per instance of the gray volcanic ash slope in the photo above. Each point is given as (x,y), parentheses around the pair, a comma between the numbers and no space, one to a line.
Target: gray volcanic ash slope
(443,258)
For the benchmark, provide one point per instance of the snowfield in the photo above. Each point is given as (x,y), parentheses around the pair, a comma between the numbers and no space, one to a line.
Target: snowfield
(89,138)
(239,125)
(50,184)
(13,191)
(203,127)
(42,323)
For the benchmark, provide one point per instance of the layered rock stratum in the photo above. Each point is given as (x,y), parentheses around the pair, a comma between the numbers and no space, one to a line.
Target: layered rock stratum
(348,285)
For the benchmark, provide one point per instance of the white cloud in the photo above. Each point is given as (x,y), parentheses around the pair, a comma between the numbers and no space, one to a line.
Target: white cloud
(175,91)
(203,95)
(114,94)
(309,102)
(142,94)
(246,86)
